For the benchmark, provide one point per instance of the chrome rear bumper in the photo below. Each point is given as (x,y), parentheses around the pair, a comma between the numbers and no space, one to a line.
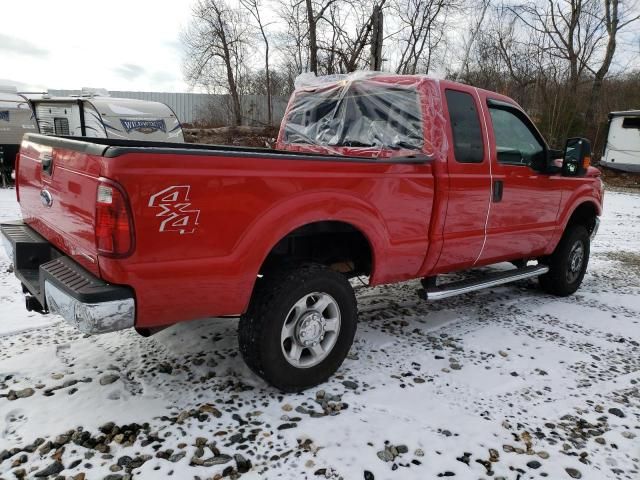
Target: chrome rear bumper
(100,317)
(56,283)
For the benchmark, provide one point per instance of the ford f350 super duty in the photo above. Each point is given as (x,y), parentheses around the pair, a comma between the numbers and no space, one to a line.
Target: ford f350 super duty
(376,175)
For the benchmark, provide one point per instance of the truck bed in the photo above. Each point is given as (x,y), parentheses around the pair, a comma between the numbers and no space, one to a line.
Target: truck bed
(206,217)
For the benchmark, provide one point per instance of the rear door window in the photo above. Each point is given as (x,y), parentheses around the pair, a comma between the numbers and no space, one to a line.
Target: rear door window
(468,146)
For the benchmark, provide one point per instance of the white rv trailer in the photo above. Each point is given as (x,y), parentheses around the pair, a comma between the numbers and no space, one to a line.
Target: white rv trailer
(16,119)
(102,116)
(622,148)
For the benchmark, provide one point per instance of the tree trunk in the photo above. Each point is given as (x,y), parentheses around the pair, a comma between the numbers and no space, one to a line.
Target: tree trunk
(611,20)
(313,43)
(467,52)
(268,79)
(376,38)
(233,88)
(235,98)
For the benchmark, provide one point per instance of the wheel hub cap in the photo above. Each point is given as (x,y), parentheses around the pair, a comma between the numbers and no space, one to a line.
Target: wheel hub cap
(310,329)
(576,260)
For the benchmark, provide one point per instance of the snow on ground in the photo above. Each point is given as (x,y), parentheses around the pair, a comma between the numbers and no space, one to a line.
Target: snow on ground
(507,383)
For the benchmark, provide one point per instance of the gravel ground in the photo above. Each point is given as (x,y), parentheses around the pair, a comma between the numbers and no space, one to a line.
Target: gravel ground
(508,383)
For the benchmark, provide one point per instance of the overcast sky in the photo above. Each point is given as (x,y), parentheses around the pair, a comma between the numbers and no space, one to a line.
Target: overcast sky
(117,44)
(124,44)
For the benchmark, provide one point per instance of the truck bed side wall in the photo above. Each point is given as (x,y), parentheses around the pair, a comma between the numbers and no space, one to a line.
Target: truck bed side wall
(204,224)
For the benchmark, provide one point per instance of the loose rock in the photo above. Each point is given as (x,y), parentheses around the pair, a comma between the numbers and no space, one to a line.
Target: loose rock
(573,473)
(53,469)
(243,464)
(385,455)
(24,393)
(108,379)
(617,412)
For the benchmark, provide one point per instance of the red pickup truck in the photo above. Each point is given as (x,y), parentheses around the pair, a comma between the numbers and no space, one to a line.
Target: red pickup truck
(384,176)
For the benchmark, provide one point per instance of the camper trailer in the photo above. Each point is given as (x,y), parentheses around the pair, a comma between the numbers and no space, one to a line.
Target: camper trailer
(622,148)
(91,114)
(16,119)
(95,114)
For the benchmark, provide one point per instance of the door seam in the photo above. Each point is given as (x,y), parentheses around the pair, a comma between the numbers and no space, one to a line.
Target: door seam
(488,146)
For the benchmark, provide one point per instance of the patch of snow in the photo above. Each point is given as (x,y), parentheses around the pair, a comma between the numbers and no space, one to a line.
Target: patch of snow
(510,371)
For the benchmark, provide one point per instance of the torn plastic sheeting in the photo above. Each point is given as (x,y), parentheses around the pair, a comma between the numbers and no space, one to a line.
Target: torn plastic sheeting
(369,114)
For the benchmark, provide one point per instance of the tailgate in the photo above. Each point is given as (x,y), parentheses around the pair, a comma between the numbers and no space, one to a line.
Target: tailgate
(57,181)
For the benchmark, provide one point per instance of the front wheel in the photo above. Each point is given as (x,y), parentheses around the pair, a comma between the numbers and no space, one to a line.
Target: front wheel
(299,326)
(568,263)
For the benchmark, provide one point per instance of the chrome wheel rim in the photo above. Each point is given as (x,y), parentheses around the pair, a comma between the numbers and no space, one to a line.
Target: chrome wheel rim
(310,330)
(576,259)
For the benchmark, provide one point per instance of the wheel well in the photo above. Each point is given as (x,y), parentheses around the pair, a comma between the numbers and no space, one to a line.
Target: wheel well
(336,244)
(585,215)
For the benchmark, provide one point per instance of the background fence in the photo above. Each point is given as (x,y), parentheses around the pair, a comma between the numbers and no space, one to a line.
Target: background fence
(204,108)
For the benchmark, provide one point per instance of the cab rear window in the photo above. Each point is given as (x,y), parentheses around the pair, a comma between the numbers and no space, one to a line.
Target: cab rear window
(365,114)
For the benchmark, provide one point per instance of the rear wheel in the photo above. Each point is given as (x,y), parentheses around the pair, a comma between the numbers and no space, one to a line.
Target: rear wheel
(299,326)
(568,263)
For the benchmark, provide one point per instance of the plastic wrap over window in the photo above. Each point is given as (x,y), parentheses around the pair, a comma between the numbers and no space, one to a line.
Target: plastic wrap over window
(368,114)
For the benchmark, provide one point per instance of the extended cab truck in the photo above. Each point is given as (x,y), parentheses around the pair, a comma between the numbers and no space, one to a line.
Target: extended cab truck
(392,177)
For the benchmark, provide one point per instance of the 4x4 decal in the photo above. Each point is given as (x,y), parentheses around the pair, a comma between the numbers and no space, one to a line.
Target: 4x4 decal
(176,212)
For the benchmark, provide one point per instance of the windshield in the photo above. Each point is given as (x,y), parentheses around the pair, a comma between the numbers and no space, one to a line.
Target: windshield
(364,114)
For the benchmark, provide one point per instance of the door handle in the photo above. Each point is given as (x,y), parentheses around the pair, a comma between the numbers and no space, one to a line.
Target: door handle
(498,187)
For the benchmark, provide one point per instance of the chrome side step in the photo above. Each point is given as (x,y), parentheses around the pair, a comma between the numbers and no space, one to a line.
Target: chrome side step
(471,285)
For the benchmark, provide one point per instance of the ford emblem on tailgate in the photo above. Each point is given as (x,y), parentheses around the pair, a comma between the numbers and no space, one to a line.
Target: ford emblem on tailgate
(46,198)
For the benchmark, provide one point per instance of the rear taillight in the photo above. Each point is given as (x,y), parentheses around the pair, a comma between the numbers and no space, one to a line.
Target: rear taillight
(114,228)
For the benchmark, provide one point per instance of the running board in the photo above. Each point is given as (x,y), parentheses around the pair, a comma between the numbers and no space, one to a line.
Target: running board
(471,285)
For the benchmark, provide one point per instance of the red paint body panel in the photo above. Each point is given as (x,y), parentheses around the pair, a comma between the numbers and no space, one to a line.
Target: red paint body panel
(420,219)
(69,223)
(468,193)
(245,211)
(526,217)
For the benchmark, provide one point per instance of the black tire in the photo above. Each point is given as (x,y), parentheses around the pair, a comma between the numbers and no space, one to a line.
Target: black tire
(261,327)
(565,276)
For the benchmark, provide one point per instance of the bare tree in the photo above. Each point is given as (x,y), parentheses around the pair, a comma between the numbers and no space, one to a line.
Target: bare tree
(253,7)
(615,20)
(421,30)
(546,54)
(351,26)
(215,42)
(315,13)
(464,67)
(292,42)
(579,40)
(572,28)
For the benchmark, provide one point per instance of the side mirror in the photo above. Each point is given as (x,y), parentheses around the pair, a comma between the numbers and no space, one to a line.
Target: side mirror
(577,157)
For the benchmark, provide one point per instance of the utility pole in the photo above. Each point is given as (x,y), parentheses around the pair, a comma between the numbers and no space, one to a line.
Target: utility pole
(376,38)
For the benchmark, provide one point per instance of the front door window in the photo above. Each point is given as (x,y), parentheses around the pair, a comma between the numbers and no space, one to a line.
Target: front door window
(516,143)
